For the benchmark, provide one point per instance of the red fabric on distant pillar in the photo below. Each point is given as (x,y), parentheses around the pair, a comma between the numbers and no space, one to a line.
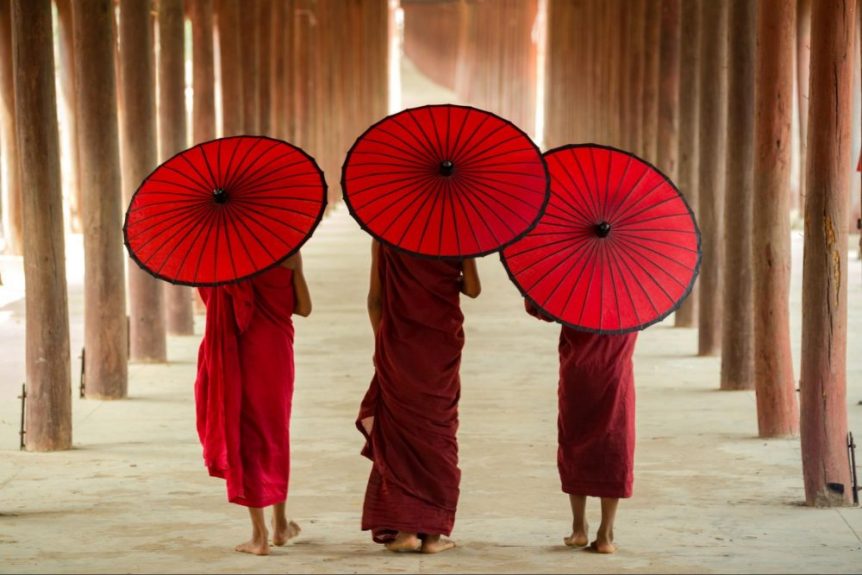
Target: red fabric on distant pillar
(244,387)
(413,397)
(596,422)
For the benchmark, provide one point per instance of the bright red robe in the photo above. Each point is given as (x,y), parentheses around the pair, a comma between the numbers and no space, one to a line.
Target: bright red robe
(596,421)
(244,387)
(413,397)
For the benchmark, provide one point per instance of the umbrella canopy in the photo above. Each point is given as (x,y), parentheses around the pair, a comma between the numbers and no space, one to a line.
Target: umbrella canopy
(617,249)
(445,181)
(224,210)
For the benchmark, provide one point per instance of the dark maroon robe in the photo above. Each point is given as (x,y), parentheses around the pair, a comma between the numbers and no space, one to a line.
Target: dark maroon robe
(596,421)
(413,397)
(244,387)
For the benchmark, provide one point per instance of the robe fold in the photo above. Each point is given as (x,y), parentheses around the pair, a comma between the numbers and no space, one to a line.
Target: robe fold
(244,386)
(413,398)
(596,421)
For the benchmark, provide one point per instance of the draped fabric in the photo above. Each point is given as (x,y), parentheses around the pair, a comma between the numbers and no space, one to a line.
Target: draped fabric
(413,398)
(244,386)
(596,421)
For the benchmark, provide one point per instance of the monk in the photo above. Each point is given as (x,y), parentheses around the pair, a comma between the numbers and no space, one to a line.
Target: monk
(244,392)
(595,426)
(409,415)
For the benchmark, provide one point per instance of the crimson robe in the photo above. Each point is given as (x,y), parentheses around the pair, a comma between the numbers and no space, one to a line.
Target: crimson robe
(596,421)
(413,397)
(244,386)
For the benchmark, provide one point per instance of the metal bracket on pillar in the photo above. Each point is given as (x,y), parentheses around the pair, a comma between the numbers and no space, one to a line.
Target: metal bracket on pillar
(21,432)
(82,387)
(851,454)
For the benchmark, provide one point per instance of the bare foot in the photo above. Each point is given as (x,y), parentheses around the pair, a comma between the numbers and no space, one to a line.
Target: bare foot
(436,544)
(404,542)
(604,544)
(284,532)
(579,537)
(256,546)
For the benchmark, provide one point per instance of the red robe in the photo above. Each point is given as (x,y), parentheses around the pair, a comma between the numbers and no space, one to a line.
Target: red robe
(413,398)
(596,421)
(244,387)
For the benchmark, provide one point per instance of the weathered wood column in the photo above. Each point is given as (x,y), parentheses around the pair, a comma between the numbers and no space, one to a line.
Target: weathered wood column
(179,318)
(652,51)
(69,143)
(713,113)
(49,384)
(737,343)
(823,382)
(139,157)
(263,37)
(669,74)
(105,327)
(636,66)
(281,34)
(249,64)
(777,414)
(232,93)
(203,74)
(12,218)
(803,57)
(689,98)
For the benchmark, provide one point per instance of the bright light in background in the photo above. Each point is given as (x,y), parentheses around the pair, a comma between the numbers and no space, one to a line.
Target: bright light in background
(539,37)
(396,36)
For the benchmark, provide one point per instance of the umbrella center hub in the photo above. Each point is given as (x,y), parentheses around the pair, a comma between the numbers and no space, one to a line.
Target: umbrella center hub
(219,195)
(603,229)
(446,168)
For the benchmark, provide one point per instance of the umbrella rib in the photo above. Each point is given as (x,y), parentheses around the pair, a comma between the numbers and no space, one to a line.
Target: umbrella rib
(430,212)
(167,167)
(197,192)
(582,199)
(480,184)
(265,215)
(258,178)
(139,207)
(202,180)
(261,204)
(478,150)
(209,167)
(437,135)
(647,238)
(594,200)
(455,194)
(609,266)
(478,195)
(218,228)
(408,149)
(252,168)
(574,209)
(502,153)
(178,213)
(188,230)
(574,243)
(277,183)
(607,186)
(262,244)
(158,235)
(641,249)
(583,256)
(460,132)
(589,286)
(601,252)
(626,285)
(416,189)
(401,213)
(448,132)
(232,220)
(650,276)
(417,169)
(359,153)
(206,241)
(612,209)
(229,169)
(376,186)
(547,274)
(649,207)
(424,145)
(465,197)
(630,230)
(242,165)
(412,185)
(449,195)
(463,145)
(622,205)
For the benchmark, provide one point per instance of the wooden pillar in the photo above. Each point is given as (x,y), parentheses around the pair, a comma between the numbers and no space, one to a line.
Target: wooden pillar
(179,318)
(278,80)
(823,383)
(147,315)
(689,114)
(737,343)
(776,396)
(232,93)
(564,106)
(263,37)
(636,65)
(49,383)
(668,118)
(803,57)
(713,113)
(652,50)
(105,327)
(249,16)
(69,144)
(12,218)
(203,74)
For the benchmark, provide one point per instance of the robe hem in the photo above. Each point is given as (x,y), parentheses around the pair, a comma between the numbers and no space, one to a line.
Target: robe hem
(603,489)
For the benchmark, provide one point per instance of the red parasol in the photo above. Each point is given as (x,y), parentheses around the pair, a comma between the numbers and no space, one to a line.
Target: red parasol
(445,181)
(617,249)
(224,210)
